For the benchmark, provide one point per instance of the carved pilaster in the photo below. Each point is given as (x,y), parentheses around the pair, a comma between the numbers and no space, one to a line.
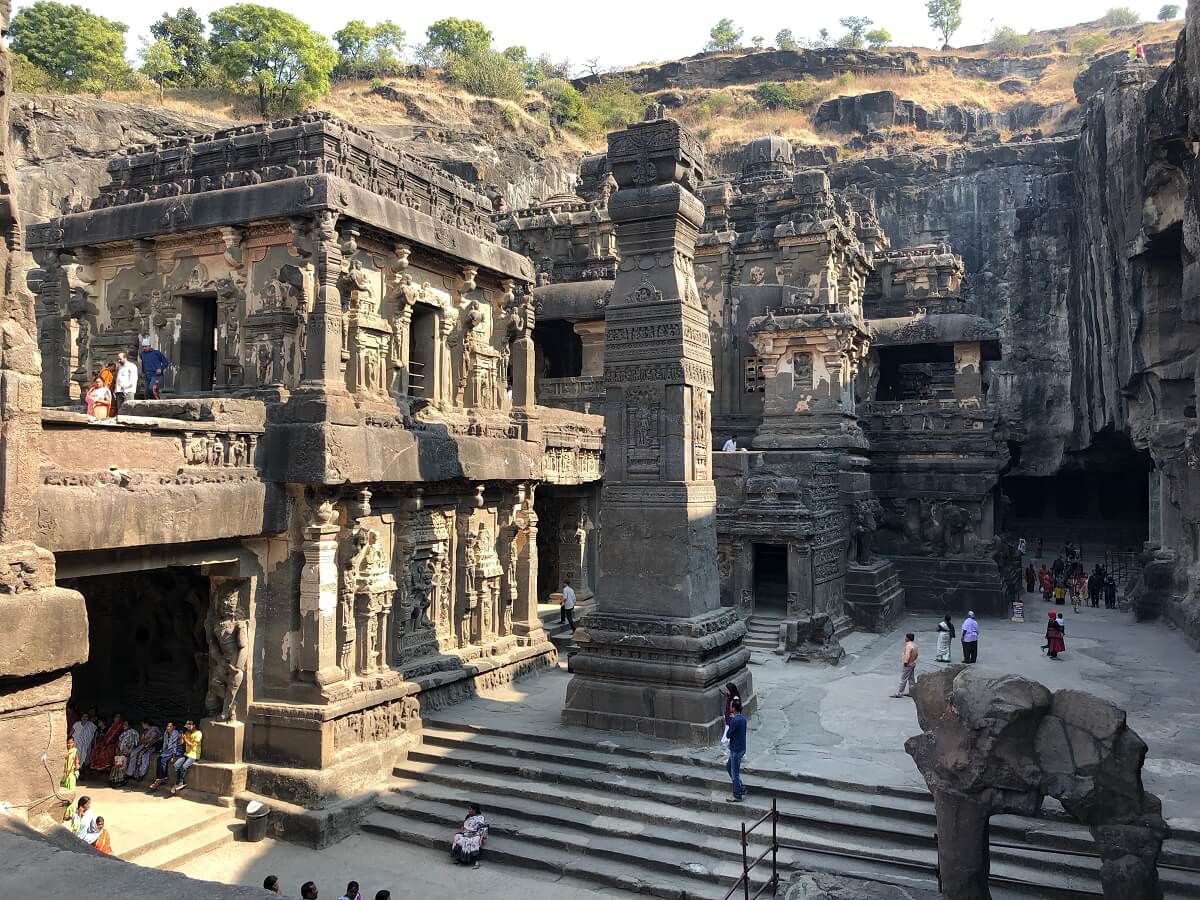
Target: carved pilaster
(319,597)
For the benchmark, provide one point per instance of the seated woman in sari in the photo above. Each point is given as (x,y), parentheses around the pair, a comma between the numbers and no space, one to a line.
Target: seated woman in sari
(97,836)
(139,759)
(126,744)
(106,745)
(79,816)
(468,843)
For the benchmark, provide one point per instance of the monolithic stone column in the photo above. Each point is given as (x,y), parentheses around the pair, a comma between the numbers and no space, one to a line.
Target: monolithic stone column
(656,652)
(591,335)
(319,598)
(44,627)
(526,623)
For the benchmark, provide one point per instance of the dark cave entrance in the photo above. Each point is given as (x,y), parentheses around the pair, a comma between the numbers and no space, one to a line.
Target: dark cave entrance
(770,579)
(148,651)
(559,350)
(1099,500)
(916,372)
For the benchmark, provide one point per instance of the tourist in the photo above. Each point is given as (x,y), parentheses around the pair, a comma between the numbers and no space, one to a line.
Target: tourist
(1076,593)
(126,382)
(1047,584)
(191,752)
(908,665)
(970,638)
(105,750)
(383,895)
(79,816)
(154,365)
(1060,593)
(1030,579)
(1110,593)
(167,754)
(566,612)
(1140,51)
(126,744)
(1054,636)
(351,892)
(737,750)
(1131,53)
(945,638)
(84,734)
(731,693)
(730,444)
(271,883)
(468,842)
(98,837)
(139,758)
(98,399)
(308,890)
(1056,569)
(70,767)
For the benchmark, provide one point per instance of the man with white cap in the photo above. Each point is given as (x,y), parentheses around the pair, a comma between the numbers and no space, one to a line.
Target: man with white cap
(154,365)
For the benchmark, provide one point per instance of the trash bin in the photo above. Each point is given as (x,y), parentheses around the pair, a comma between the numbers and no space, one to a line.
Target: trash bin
(256,820)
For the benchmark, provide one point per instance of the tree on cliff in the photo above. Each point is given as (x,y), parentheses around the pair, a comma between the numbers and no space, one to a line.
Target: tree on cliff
(79,49)
(878,38)
(945,17)
(271,53)
(1168,12)
(1120,17)
(159,64)
(183,32)
(856,29)
(785,40)
(460,36)
(725,35)
(367,51)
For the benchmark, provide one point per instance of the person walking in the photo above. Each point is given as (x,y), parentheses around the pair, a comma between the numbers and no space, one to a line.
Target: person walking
(945,639)
(1054,636)
(125,383)
(154,366)
(737,750)
(730,444)
(970,637)
(1030,579)
(908,665)
(566,612)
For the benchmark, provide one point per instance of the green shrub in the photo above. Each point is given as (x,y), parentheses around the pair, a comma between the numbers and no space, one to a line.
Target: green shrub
(1089,44)
(566,103)
(718,103)
(608,105)
(32,79)
(1007,41)
(773,95)
(1120,17)
(487,74)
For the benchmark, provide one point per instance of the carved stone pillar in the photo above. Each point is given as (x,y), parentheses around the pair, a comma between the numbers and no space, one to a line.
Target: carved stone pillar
(523,356)
(658,575)
(55,328)
(319,598)
(526,623)
(591,334)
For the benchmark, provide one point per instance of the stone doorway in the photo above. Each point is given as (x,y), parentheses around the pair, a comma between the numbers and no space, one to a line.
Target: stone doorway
(770,579)
(148,654)
(198,343)
(423,342)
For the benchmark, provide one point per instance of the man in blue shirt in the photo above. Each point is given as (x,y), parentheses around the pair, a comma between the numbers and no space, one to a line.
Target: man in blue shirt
(737,749)
(154,365)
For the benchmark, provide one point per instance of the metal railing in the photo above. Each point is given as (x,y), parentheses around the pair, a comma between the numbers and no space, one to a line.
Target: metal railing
(748,865)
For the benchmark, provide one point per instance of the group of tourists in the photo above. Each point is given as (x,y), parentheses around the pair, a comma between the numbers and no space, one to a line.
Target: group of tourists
(117,381)
(83,822)
(118,750)
(1065,579)
(310,891)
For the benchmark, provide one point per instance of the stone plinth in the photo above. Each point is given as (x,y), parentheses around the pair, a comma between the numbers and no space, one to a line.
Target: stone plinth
(874,595)
(659,647)
(223,741)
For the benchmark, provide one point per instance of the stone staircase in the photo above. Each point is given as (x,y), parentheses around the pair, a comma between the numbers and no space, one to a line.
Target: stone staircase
(657,822)
(170,848)
(762,631)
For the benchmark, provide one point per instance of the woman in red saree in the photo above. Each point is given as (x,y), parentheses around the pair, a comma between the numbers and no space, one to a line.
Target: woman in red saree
(105,749)
(1054,638)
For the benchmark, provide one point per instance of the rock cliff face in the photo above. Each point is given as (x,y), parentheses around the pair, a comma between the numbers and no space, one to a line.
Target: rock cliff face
(1008,209)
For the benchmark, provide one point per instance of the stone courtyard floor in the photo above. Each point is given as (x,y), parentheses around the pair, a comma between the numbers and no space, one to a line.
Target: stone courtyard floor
(836,722)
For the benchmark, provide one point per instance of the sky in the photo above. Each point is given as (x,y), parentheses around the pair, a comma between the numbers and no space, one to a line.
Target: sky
(624,32)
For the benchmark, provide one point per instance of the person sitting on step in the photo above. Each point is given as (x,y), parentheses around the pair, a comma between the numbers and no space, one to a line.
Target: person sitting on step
(468,843)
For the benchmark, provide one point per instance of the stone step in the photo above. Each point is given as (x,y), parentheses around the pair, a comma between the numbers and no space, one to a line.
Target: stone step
(571,862)
(666,835)
(200,840)
(155,840)
(900,821)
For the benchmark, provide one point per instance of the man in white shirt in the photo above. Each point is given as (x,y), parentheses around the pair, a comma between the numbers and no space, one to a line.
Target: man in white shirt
(567,612)
(731,444)
(125,383)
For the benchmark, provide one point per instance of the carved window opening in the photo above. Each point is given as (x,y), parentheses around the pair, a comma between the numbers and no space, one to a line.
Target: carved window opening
(423,341)
(916,372)
(755,383)
(198,347)
(559,349)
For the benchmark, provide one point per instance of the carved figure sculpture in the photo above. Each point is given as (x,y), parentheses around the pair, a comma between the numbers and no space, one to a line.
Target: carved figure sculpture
(228,650)
(863,524)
